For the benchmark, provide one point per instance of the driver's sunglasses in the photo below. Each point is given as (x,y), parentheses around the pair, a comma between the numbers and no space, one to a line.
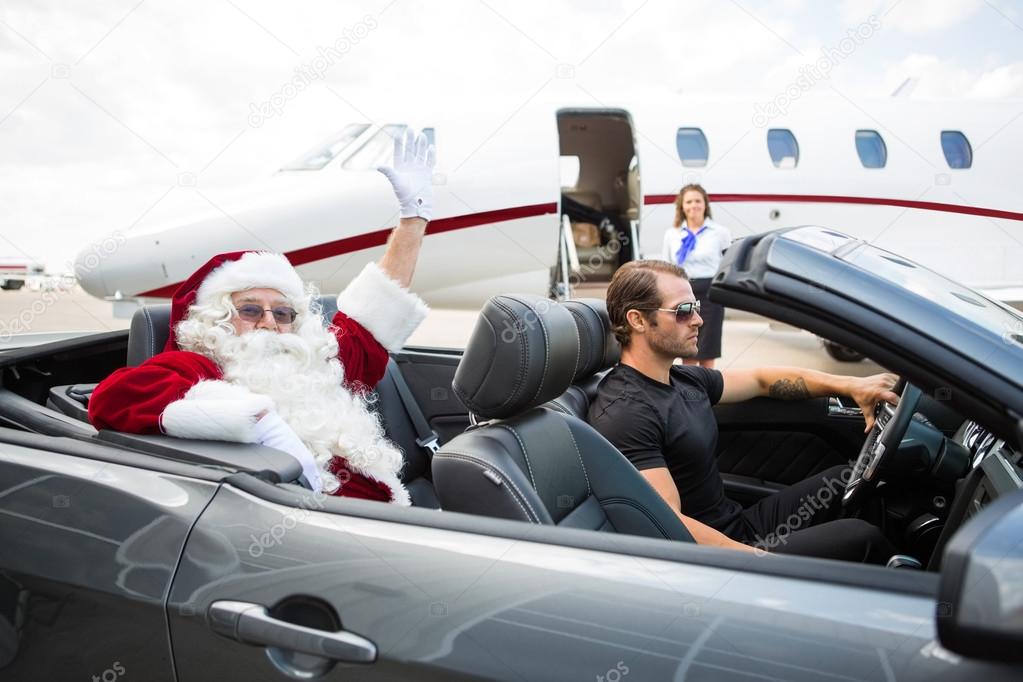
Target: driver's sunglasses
(682,313)
(250,312)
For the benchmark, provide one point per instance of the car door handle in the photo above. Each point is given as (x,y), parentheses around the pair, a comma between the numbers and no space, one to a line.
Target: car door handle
(836,408)
(252,624)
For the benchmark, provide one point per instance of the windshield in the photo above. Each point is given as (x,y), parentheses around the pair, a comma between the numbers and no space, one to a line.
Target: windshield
(325,152)
(956,298)
(376,150)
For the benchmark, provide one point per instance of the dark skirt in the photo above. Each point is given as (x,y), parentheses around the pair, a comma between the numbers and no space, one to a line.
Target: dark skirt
(713,314)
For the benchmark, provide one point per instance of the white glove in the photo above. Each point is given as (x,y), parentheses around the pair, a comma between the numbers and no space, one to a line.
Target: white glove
(274,432)
(411,174)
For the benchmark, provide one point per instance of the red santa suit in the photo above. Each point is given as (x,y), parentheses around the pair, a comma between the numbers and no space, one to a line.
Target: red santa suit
(184,393)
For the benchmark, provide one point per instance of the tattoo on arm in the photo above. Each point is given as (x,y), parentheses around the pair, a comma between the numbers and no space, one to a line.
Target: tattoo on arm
(785,389)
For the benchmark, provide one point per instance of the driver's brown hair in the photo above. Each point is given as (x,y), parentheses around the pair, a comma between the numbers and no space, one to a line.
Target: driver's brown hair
(634,286)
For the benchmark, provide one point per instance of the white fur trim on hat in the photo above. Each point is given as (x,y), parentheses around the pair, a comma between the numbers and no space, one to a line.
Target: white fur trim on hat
(215,410)
(254,270)
(390,312)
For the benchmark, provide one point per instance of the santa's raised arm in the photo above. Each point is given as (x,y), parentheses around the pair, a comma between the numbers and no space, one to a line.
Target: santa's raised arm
(248,358)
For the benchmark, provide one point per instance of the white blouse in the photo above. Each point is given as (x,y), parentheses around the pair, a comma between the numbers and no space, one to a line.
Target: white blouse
(704,259)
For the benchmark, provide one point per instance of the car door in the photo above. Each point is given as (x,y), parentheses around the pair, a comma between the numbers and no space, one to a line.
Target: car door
(89,541)
(766,444)
(277,584)
(428,373)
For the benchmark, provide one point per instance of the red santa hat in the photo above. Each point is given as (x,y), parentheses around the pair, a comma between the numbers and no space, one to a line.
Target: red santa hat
(227,273)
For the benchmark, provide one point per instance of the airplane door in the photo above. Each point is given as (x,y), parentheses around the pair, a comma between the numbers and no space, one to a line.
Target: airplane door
(600,199)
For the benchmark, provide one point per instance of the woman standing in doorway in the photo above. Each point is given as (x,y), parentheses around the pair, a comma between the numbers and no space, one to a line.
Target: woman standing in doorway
(696,243)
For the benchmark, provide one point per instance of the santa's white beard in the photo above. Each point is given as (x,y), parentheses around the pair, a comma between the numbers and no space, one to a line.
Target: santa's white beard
(304,379)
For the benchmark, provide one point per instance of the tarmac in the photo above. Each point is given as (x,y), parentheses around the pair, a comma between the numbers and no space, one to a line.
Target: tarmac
(747,341)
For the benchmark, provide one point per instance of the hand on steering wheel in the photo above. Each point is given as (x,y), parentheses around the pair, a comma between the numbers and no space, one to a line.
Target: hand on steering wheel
(887,428)
(870,392)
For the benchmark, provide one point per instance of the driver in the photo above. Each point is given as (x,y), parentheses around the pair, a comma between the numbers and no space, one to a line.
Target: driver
(658,414)
(249,359)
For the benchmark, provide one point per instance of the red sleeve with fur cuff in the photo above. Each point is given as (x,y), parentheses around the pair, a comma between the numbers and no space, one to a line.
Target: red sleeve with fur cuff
(363,358)
(133,398)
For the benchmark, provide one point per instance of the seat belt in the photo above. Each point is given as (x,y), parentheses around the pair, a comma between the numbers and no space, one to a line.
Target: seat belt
(426,437)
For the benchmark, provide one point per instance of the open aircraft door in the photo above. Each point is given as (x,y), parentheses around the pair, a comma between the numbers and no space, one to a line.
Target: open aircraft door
(600,199)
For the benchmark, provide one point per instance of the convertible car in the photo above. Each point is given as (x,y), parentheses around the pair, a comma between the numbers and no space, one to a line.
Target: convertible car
(533,550)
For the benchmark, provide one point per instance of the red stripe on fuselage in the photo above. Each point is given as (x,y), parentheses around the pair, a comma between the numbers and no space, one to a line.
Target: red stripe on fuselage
(830,199)
(368,240)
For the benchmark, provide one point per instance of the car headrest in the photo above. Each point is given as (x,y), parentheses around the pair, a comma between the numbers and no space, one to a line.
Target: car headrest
(598,347)
(523,352)
(150,327)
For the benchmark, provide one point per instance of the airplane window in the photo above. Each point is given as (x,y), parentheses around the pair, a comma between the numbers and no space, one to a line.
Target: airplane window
(323,153)
(377,149)
(958,153)
(871,148)
(692,147)
(569,171)
(782,146)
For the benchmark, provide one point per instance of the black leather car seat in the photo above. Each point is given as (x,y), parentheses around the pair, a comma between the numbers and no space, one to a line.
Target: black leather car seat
(599,351)
(534,463)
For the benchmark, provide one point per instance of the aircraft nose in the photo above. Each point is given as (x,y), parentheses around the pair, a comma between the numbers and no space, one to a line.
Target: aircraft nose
(89,272)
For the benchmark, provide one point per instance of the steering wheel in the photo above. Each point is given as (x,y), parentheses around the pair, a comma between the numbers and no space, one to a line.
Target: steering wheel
(890,425)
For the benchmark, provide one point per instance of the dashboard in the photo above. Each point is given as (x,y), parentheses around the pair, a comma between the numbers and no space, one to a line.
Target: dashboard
(1000,464)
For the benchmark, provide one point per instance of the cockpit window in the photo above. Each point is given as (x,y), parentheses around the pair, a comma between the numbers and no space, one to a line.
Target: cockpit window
(377,150)
(325,152)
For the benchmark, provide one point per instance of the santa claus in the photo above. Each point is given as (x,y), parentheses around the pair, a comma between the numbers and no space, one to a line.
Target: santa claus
(249,358)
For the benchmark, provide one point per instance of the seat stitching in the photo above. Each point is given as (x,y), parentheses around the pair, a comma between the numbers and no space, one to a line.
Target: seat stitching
(499,474)
(524,454)
(523,355)
(546,346)
(597,352)
(152,331)
(605,331)
(589,490)
(578,344)
(578,348)
(638,507)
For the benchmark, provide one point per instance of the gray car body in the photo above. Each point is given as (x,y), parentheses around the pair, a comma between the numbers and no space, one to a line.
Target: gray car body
(116,557)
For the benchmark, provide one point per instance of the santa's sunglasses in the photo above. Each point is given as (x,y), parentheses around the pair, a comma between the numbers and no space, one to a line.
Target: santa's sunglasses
(682,313)
(250,312)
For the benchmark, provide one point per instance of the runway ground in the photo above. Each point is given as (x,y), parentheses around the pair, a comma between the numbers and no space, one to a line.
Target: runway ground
(747,341)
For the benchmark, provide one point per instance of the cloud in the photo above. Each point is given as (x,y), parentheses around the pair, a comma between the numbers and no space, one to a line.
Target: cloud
(912,16)
(947,78)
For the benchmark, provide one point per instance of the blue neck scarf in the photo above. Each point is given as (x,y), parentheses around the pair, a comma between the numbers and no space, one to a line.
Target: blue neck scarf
(688,243)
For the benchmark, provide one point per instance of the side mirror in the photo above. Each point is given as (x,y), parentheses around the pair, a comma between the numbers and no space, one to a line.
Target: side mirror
(980,597)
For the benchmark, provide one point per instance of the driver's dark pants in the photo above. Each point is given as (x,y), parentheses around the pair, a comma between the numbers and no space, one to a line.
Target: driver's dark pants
(803,519)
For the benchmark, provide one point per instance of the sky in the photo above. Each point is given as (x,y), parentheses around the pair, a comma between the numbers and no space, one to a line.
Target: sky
(111,111)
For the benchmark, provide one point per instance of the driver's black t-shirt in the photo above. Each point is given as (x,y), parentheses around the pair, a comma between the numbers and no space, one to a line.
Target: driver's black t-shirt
(656,425)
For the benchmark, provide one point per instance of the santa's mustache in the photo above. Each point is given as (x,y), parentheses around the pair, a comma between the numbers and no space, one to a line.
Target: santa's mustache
(261,344)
